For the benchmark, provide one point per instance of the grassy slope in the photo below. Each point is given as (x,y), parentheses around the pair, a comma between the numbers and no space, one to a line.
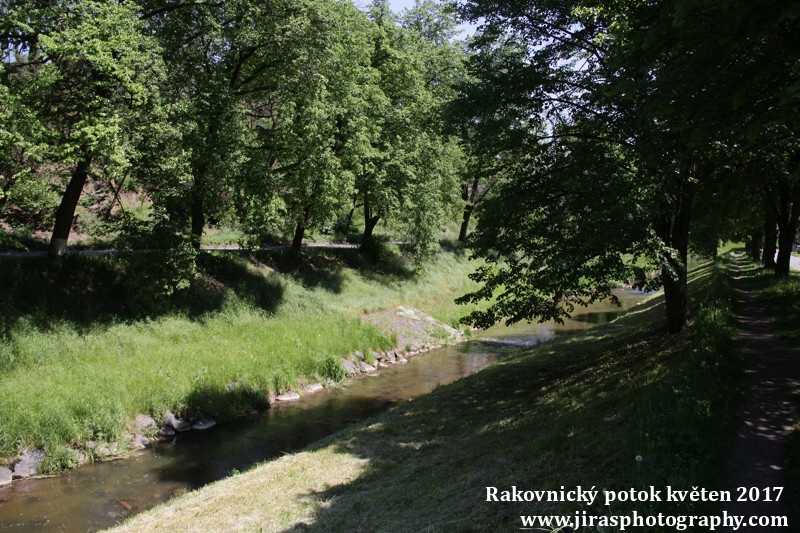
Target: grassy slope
(86,345)
(574,412)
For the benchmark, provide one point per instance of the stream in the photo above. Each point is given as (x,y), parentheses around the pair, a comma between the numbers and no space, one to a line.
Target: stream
(99,495)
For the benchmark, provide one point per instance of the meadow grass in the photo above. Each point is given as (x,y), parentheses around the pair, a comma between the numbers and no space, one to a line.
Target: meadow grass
(88,343)
(577,411)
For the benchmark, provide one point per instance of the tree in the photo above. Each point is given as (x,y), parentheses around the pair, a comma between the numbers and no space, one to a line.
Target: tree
(87,71)
(654,88)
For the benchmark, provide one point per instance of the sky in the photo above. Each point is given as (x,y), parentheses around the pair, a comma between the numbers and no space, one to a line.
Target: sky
(400,5)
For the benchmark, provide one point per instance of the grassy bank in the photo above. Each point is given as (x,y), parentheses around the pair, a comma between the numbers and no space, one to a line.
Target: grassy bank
(574,412)
(88,343)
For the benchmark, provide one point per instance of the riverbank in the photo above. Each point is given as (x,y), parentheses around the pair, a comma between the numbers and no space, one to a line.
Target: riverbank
(623,405)
(92,342)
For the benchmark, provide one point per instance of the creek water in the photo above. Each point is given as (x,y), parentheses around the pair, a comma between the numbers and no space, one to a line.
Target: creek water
(100,495)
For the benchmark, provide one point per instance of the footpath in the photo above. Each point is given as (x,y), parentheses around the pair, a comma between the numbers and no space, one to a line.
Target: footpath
(770,408)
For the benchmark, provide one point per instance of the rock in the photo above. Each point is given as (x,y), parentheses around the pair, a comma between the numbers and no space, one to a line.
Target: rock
(78,456)
(5,476)
(402,360)
(204,424)
(312,388)
(143,422)
(139,442)
(376,356)
(383,365)
(366,367)
(178,424)
(391,356)
(28,464)
(167,432)
(359,355)
(90,445)
(290,396)
(349,367)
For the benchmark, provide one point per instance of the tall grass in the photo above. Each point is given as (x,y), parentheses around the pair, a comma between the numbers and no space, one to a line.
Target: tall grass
(94,343)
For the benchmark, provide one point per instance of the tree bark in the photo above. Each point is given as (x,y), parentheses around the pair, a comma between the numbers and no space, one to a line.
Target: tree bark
(469,194)
(300,231)
(770,236)
(674,231)
(756,239)
(370,221)
(785,206)
(198,219)
(462,234)
(783,263)
(65,214)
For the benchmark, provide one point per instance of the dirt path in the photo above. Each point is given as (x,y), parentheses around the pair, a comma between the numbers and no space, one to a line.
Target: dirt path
(770,409)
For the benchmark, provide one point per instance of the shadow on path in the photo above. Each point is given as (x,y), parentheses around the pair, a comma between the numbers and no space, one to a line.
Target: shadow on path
(769,408)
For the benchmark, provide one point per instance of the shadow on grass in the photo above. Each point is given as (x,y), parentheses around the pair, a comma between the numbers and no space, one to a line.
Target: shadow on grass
(86,291)
(578,413)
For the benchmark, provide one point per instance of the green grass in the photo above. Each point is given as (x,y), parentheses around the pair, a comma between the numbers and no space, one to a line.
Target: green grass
(89,342)
(577,411)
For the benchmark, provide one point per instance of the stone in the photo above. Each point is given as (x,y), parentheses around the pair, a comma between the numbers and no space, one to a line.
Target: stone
(204,424)
(368,368)
(311,388)
(167,432)
(391,356)
(383,365)
(28,464)
(402,360)
(290,396)
(139,442)
(143,422)
(359,355)
(349,367)
(376,356)
(178,424)
(5,476)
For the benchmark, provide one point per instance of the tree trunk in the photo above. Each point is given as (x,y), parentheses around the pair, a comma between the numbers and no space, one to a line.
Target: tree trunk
(66,210)
(770,236)
(198,220)
(470,195)
(300,231)
(785,243)
(674,231)
(785,207)
(755,245)
(462,234)
(370,221)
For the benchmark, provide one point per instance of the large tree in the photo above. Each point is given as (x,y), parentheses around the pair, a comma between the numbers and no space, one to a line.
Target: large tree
(86,72)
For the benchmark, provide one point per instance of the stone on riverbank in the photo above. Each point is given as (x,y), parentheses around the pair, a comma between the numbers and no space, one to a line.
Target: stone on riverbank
(28,464)
(349,368)
(5,476)
(143,422)
(204,424)
(167,432)
(178,424)
(368,368)
(312,388)
(290,396)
